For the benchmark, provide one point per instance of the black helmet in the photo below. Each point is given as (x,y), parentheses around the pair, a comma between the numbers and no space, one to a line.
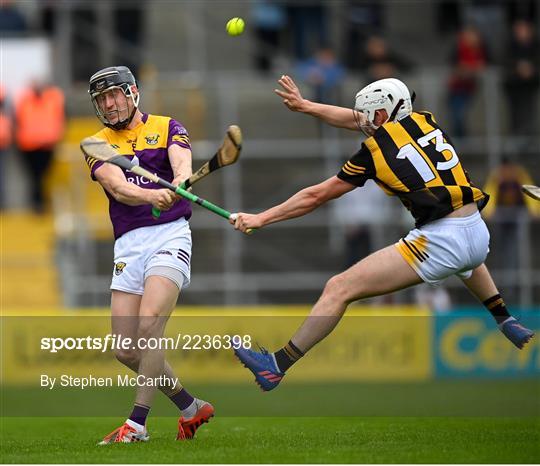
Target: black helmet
(107,78)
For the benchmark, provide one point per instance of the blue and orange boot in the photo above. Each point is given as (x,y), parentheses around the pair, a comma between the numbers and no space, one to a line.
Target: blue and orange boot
(515,332)
(263,365)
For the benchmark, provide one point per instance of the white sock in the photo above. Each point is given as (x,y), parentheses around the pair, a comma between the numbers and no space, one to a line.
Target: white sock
(136,426)
(191,410)
(507,320)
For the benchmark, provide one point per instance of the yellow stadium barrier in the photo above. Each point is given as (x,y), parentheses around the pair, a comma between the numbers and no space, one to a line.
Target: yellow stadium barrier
(375,344)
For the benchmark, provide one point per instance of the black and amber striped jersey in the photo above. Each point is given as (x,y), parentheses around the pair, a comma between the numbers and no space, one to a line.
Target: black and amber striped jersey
(416,161)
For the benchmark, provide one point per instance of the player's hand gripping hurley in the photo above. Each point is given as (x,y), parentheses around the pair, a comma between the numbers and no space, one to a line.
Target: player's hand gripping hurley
(101,150)
(227,154)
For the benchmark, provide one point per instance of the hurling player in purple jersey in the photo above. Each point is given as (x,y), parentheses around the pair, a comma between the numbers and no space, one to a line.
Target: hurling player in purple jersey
(151,256)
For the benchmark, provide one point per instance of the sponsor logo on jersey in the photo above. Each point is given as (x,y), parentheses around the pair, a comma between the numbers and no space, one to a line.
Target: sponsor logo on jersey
(164,252)
(119,268)
(139,180)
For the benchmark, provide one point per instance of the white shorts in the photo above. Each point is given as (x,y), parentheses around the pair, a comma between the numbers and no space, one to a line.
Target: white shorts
(154,250)
(445,247)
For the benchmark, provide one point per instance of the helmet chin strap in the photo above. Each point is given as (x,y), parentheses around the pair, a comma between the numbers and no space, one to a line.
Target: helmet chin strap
(396,109)
(398,106)
(124,123)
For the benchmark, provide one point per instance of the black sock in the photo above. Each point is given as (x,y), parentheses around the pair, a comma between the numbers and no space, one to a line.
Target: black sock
(495,305)
(139,414)
(287,356)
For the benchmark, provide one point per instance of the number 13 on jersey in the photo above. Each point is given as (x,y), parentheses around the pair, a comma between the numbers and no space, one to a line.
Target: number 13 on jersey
(409,152)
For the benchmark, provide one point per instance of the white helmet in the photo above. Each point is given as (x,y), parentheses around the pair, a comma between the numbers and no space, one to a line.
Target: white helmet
(388,94)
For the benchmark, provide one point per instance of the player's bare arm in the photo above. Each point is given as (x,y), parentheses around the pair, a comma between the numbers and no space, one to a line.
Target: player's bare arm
(339,117)
(181,163)
(113,180)
(301,203)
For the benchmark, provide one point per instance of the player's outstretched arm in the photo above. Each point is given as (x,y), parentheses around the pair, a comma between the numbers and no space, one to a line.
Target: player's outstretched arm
(340,117)
(303,202)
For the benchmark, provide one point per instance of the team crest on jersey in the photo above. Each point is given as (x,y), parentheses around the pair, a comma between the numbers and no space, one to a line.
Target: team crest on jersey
(119,268)
(152,139)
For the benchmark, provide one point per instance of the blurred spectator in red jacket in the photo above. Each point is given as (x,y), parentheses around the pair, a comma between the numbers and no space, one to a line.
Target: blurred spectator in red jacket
(469,59)
(39,127)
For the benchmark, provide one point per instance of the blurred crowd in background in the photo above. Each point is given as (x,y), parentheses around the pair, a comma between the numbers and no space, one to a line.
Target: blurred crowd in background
(322,44)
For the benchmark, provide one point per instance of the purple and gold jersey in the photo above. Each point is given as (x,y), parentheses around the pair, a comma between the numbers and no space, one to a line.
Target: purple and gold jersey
(148,144)
(415,160)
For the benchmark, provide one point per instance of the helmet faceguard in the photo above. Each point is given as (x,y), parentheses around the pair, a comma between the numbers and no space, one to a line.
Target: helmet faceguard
(108,80)
(388,94)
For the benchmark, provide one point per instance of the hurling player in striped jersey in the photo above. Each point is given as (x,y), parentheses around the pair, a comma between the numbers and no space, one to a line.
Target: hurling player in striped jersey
(409,156)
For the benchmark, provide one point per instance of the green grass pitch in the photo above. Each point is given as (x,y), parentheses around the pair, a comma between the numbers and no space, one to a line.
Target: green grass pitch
(280,440)
(446,421)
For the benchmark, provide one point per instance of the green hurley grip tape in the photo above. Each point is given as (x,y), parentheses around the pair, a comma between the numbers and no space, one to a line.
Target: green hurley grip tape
(156,212)
(203,202)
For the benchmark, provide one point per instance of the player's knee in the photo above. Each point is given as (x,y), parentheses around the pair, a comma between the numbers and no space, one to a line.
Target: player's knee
(149,326)
(338,289)
(128,357)
(335,288)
